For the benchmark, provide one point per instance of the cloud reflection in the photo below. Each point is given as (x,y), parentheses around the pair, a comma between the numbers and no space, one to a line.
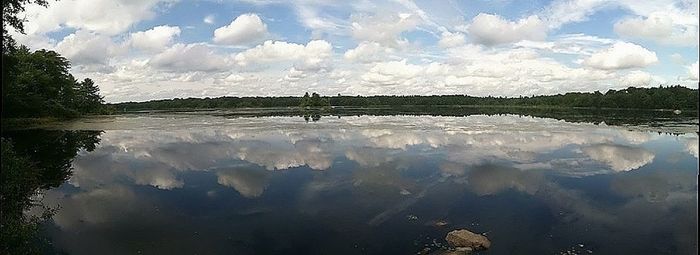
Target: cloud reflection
(157,158)
(249,183)
(357,172)
(619,157)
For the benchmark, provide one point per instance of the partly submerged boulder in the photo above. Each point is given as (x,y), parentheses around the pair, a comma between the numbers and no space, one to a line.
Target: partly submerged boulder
(463,238)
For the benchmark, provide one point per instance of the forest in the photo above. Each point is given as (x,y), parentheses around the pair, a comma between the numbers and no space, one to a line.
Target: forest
(670,97)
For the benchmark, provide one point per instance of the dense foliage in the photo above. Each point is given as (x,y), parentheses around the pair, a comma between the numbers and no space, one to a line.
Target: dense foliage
(33,161)
(672,97)
(40,85)
(314,100)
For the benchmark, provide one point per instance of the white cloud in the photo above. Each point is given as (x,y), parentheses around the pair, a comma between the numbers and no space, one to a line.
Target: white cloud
(294,75)
(189,57)
(246,28)
(401,48)
(658,27)
(103,16)
(392,73)
(492,29)
(637,79)
(209,19)
(693,71)
(312,17)
(572,44)
(367,52)
(563,12)
(154,39)
(87,48)
(384,29)
(450,40)
(235,78)
(309,56)
(621,55)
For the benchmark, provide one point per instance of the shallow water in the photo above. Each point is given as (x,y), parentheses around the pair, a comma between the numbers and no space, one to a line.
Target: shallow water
(200,184)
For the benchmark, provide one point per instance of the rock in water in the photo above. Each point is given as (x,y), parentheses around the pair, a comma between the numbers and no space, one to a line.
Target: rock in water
(466,239)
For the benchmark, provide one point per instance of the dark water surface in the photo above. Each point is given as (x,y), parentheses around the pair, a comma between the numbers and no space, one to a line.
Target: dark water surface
(200,184)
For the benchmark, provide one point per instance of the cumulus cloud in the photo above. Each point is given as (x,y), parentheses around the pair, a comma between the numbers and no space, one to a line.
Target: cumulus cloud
(450,40)
(88,48)
(636,78)
(392,73)
(622,55)
(482,71)
(246,28)
(493,29)
(189,57)
(454,56)
(154,39)
(619,157)
(309,56)
(102,16)
(385,29)
(367,52)
(294,75)
(659,27)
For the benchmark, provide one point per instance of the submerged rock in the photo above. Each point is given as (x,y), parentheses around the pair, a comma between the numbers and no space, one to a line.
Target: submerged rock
(467,240)
(440,223)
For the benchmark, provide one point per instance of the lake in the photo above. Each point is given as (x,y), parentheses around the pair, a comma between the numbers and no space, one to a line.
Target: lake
(201,183)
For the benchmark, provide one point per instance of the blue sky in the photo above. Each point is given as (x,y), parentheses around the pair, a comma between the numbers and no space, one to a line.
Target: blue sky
(152,49)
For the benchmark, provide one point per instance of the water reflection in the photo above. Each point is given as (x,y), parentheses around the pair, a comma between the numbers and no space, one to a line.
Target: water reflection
(33,161)
(349,185)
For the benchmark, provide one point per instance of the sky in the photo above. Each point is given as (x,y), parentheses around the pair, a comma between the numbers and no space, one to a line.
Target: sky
(157,49)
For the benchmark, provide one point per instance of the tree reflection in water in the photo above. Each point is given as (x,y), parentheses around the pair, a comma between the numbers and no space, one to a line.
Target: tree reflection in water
(34,161)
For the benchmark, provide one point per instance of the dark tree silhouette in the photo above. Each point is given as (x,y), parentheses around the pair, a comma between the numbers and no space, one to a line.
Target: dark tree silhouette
(32,161)
(671,97)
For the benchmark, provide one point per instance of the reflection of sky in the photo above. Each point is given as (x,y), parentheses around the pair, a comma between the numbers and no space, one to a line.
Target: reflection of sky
(355,174)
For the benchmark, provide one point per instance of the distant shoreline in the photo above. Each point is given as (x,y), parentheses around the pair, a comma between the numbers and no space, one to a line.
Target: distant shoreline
(655,98)
(377,107)
(615,117)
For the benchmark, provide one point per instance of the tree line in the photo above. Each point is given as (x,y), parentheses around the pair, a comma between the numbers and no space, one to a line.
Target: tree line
(670,97)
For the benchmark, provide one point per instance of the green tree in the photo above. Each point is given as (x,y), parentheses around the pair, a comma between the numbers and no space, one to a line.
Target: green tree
(88,96)
(305,100)
(40,85)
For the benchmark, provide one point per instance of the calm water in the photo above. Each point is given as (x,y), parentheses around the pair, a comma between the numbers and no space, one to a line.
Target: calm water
(199,184)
